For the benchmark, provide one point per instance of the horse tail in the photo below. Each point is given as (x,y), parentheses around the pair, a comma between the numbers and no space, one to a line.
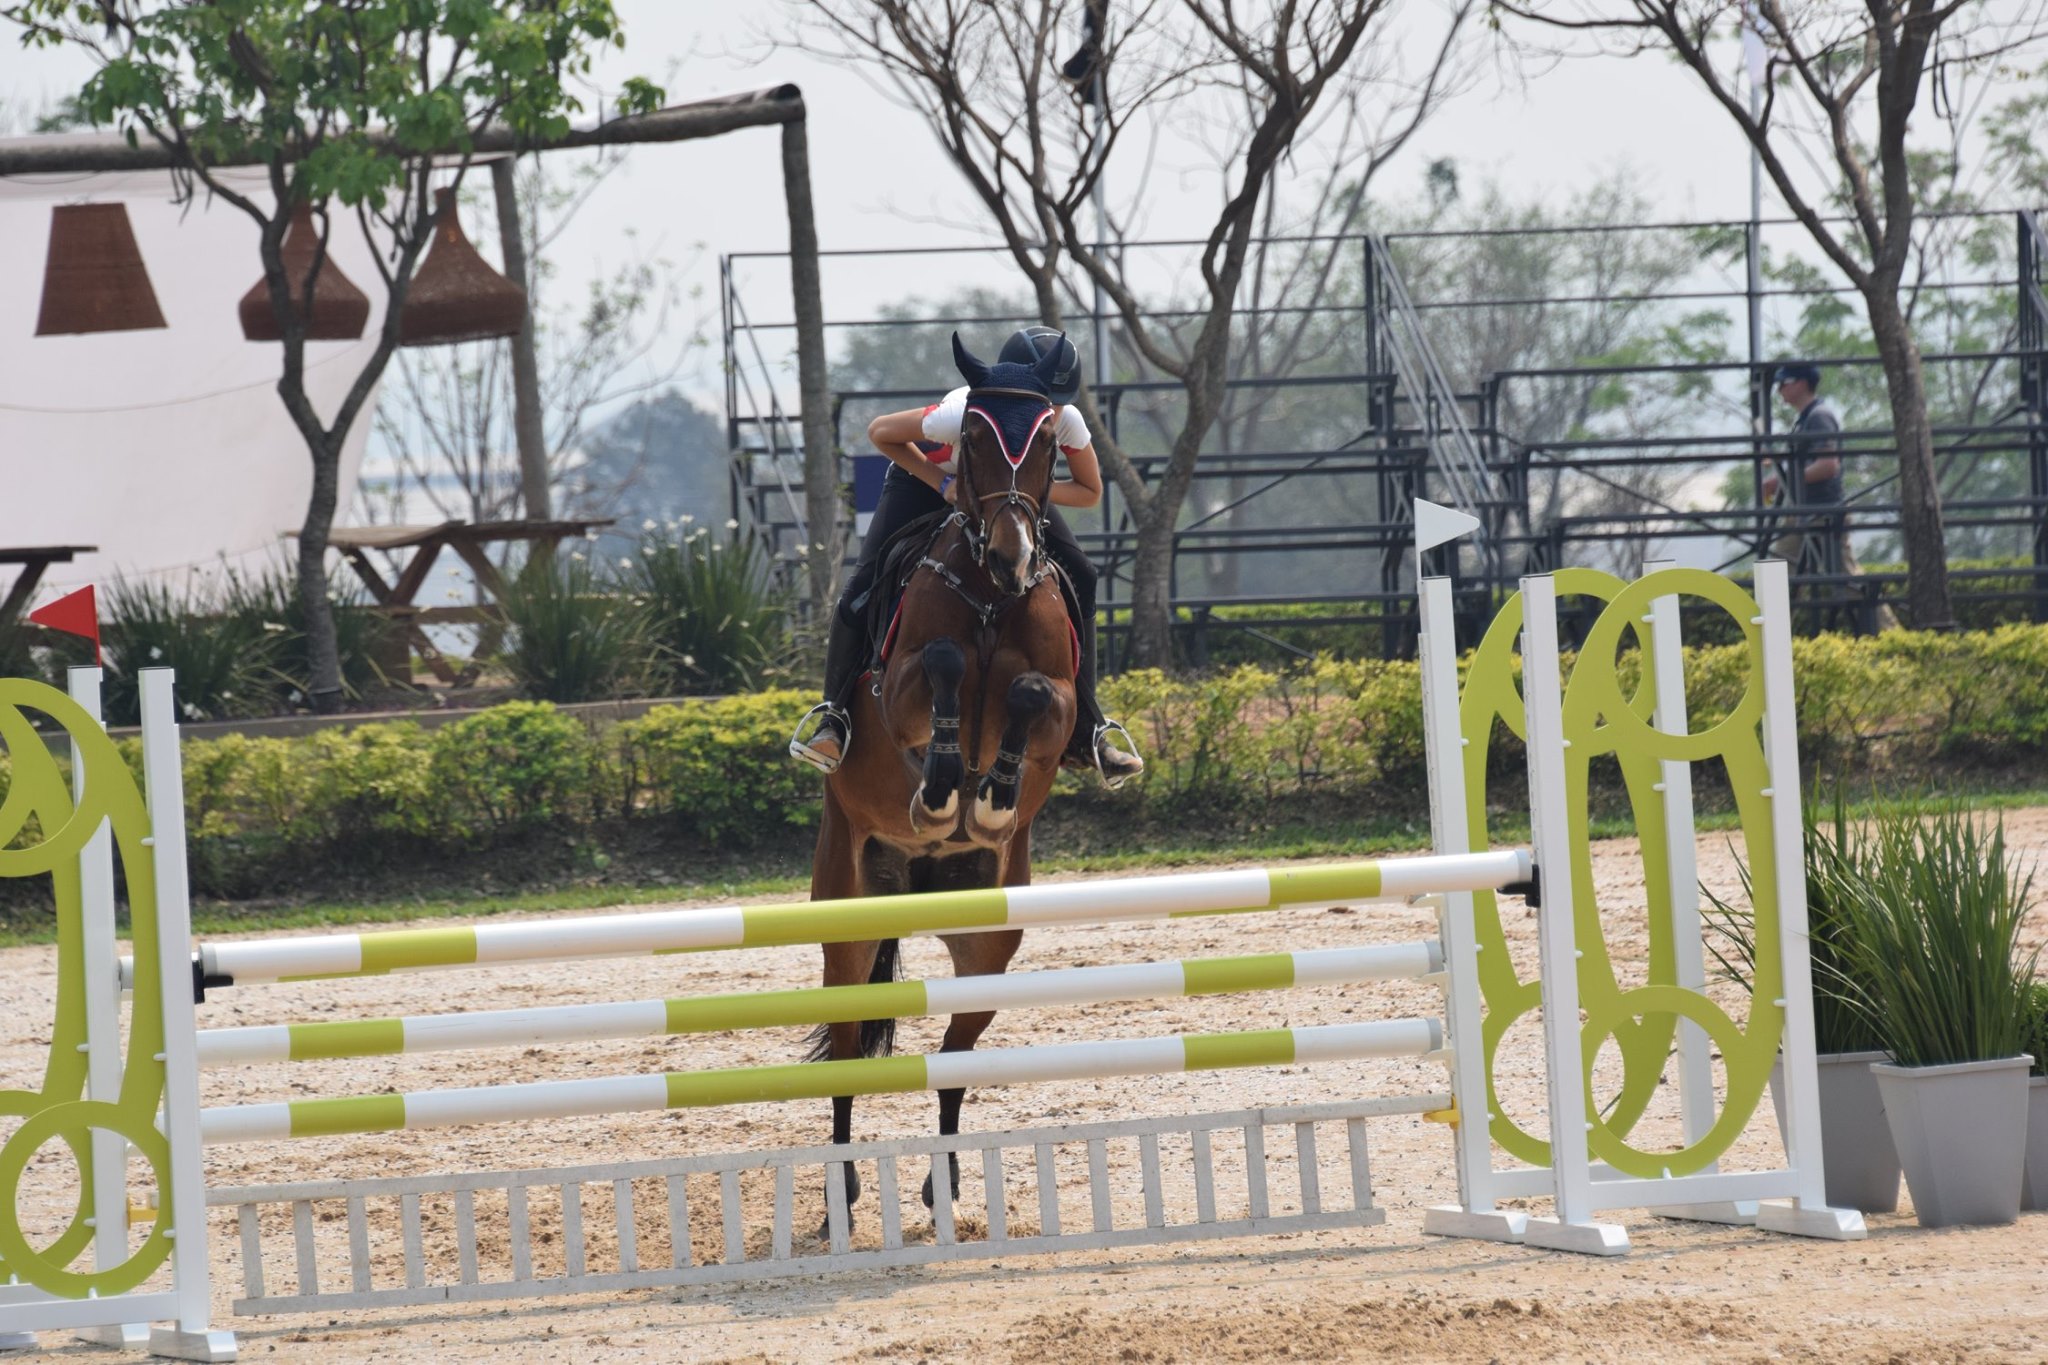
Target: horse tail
(877,1036)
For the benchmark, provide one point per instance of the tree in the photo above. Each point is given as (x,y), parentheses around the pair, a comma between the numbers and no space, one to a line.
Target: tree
(1833,76)
(1256,90)
(341,100)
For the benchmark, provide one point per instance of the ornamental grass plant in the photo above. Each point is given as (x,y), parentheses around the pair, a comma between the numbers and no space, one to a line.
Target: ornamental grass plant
(1933,910)
(574,637)
(715,621)
(226,662)
(1841,1022)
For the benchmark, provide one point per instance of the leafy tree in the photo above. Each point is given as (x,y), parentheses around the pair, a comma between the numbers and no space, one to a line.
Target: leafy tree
(346,102)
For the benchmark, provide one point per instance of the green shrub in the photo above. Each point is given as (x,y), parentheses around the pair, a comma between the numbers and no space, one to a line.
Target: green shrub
(1247,742)
(723,765)
(225,662)
(520,764)
(375,780)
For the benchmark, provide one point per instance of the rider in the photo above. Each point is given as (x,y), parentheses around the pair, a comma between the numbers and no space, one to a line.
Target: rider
(915,486)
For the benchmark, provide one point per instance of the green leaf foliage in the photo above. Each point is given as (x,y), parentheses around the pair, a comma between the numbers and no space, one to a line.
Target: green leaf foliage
(1934,910)
(350,95)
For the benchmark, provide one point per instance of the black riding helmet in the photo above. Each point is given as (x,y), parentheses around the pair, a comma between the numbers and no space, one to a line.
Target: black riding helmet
(1027,346)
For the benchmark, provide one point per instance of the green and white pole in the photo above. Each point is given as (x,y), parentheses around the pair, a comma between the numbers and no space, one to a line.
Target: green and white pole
(817,1005)
(818,1080)
(1237,891)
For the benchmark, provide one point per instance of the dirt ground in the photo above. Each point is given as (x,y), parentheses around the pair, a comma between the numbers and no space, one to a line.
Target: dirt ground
(1686,1291)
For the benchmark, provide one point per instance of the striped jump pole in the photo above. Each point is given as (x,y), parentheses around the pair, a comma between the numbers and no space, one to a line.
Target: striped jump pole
(818,1080)
(817,1005)
(1238,891)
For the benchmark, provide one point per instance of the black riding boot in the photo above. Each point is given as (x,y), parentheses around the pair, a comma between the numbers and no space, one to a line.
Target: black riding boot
(843,658)
(1091,746)
(1088,715)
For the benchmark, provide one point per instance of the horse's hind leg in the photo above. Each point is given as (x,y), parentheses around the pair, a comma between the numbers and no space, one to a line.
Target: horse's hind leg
(995,805)
(937,801)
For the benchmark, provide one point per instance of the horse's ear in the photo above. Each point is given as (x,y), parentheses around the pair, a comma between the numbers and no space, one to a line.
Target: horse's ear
(971,370)
(1048,367)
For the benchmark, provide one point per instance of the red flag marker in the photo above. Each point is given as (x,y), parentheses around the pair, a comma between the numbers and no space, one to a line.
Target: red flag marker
(75,613)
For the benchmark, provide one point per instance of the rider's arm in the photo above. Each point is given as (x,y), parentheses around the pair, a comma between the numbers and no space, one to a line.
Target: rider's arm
(895,434)
(1083,487)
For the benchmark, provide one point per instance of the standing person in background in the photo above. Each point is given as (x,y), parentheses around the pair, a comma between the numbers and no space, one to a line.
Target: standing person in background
(1813,463)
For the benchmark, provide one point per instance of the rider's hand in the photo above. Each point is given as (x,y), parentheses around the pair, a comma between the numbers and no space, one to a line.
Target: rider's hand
(950,491)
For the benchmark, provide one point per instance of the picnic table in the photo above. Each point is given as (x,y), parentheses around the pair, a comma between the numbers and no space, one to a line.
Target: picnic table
(35,560)
(413,551)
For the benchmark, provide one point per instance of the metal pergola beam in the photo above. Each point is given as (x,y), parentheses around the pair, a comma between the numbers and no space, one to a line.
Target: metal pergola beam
(73,153)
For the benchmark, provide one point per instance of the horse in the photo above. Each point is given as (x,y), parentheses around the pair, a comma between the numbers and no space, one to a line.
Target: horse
(958,735)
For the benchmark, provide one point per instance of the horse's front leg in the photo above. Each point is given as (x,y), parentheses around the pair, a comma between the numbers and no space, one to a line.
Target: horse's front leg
(937,800)
(995,805)
(973,955)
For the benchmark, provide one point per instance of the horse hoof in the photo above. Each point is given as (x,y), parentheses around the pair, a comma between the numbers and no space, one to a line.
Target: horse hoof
(923,817)
(991,824)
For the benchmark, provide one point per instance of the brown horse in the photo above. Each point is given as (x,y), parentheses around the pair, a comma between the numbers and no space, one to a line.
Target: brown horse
(959,737)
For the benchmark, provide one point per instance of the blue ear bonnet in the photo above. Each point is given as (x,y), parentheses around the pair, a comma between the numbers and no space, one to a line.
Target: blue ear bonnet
(1016,417)
(1005,375)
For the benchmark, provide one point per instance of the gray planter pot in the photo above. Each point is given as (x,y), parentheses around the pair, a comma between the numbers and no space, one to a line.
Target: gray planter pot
(1961,1131)
(2034,1188)
(1856,1151)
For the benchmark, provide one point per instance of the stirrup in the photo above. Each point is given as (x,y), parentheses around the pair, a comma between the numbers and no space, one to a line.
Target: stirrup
(1128,749)
(823,713)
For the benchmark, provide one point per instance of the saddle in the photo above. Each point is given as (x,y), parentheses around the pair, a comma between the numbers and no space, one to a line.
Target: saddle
(874,601)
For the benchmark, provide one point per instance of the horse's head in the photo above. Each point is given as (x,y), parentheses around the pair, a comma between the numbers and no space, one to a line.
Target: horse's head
(1005,464)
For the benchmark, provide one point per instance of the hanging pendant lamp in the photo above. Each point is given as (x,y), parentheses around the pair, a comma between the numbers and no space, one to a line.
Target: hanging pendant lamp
(339,310)
(455,295)
(94,279)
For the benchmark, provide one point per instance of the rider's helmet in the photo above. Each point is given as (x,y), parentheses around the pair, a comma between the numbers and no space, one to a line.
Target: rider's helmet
(1028,345)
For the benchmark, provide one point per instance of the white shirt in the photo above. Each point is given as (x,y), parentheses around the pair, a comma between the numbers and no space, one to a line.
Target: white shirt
(942,424)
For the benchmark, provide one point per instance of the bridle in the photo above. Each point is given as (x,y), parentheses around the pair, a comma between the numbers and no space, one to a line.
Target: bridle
(976,527)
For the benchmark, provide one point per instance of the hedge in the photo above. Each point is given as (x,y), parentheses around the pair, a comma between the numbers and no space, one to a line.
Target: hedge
(717,772)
